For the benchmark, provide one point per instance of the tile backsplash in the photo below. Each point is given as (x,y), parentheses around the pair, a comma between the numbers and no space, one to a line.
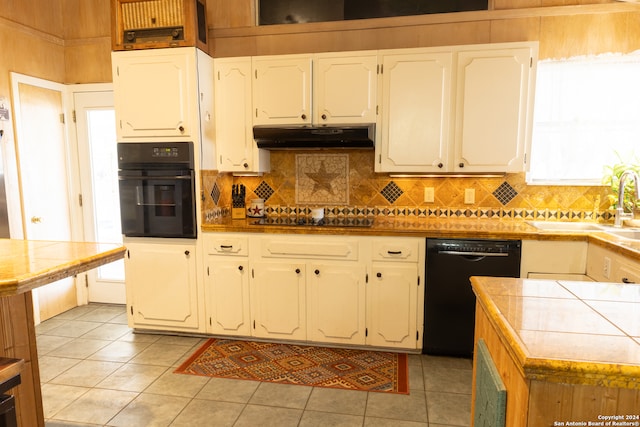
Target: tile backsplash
(344,183)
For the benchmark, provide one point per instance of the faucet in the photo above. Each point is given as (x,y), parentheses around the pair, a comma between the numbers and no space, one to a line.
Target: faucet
(620,213)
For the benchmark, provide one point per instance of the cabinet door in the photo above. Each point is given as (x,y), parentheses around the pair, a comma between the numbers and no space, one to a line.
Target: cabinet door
(416,88)
(161,286)
(227,293)
(278,300)
(345,87)
(155,93)
(392,295)
(282,90)
(234,134)
(336,303)
(493,110)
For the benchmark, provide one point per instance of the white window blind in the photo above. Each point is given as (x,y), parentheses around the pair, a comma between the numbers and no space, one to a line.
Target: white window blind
(587,115)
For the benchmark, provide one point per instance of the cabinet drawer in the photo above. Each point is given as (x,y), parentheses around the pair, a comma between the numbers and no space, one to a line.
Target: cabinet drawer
(627,274)
(232,245)
(403,250)
(318,248)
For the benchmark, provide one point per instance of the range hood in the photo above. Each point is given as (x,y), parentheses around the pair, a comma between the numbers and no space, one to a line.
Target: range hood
(314,137)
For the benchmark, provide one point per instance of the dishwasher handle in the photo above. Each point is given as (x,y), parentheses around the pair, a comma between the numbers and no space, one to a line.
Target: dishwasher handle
(481,254)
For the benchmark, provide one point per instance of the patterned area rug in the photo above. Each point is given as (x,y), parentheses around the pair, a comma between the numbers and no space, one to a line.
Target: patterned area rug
(299,364)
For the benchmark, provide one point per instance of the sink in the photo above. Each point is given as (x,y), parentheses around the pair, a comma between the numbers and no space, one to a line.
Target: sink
(625,233)
(565,226)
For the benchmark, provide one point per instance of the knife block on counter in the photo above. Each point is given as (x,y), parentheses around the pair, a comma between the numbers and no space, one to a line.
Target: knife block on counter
(238,213)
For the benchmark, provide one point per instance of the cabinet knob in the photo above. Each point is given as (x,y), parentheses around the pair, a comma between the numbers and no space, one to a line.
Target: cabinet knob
(440,165)
(461,164)
(187,253)
(297,271)
(324,117)
(246,165)
(303,117)
(317,272)
(181,129)
(378,275)
(240,268)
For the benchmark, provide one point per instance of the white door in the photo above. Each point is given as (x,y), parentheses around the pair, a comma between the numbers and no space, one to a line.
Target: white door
(43,174)
(98,164)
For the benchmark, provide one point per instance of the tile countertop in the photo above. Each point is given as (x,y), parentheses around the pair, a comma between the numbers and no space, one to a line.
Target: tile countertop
(28,264)
(567,332)
(437,228)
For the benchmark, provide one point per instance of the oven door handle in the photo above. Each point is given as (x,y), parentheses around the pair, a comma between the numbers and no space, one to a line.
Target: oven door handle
(149,178)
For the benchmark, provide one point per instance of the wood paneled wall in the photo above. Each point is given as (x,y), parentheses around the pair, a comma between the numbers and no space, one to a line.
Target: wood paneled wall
(69,40)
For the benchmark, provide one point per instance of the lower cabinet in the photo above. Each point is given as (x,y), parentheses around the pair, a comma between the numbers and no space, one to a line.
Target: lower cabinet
(392,300)
(336,302)
(278,300)
(326,289)
(161,284)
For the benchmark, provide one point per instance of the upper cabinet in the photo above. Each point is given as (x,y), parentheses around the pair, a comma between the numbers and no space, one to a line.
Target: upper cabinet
(416,92)
(155,92)
(236,149)
(456,109)
(342,89)
(282,89)
(494,107)
(345,86)
(160,93)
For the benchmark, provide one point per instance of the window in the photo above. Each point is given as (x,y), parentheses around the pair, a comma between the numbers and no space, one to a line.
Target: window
(587,115)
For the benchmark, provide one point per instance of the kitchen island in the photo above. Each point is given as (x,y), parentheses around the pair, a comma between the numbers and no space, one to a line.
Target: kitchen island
(24,266)
(566,352)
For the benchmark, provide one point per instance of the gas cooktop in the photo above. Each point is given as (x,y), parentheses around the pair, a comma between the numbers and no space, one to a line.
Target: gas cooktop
(309,222)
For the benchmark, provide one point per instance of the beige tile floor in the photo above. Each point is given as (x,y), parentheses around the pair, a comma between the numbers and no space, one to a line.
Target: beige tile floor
(96,372)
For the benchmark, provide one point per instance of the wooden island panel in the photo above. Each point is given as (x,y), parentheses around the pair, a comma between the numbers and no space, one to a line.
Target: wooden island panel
(543,387)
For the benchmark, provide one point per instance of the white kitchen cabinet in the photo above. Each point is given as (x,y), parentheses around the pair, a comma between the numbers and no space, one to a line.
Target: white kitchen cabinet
(278,300)
(336,302)
(395,296)
(392,302)
(156,93)
(551,258)
(282,89)
(345,87)
(605,265)
(162,291)
(315,89)
(235,147)
(494,107)
(415,109)
(226,283)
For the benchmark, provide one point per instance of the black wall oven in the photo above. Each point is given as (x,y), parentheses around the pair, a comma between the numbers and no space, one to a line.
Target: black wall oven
(157,189)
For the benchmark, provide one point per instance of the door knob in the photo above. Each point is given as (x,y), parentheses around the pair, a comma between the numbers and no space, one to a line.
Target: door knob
(36,220)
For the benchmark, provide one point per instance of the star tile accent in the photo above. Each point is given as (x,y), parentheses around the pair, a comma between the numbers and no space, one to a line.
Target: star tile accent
(322,179)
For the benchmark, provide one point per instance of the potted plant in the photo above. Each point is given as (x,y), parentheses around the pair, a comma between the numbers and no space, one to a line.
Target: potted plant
(611,178)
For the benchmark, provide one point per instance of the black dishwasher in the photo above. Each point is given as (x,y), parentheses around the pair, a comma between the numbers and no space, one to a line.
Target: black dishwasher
(449,308)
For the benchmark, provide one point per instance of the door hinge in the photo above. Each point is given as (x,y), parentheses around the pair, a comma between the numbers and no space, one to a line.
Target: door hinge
(210,321)
(86,281)
(417,336)
(531,62)
(254,324)
(377,108)
(256,73)
(418,281)
(80,199)
(380,158)
(132,310)
(208,271)
(381,69)
(73,116)
(366,332)
(366,278)
(525,158)
(218,75)
(253,277)
(62,118)
(128,254)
